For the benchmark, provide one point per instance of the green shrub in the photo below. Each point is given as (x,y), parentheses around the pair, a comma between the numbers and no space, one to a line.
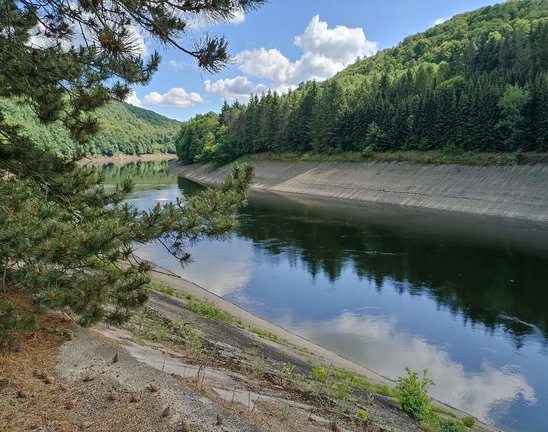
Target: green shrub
(448,425)
(413,395)
(468,421)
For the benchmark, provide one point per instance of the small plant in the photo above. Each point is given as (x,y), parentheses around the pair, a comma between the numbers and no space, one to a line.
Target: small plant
(468,421)
(448,425)
(452,150)
(362,415)
(319,374)
(286,373)
(16,402)
(265,334)
(195,342)
(413,395)
(519,155)
(367,152)
(341,390)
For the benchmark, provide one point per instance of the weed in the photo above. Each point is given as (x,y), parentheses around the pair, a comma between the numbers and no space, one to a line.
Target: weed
(468,421)
(448,425)
(449,154)
(208,309)
(319,374)
(362,415)
(264,334)
(195,342)
(413,395)
(286,373)
(257,367)
(341,390)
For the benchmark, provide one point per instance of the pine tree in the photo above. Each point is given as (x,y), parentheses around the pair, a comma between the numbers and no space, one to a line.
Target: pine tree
(65,241)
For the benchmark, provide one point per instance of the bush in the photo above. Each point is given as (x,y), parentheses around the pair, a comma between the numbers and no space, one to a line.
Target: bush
(412,394)
(468,421)
(448,425)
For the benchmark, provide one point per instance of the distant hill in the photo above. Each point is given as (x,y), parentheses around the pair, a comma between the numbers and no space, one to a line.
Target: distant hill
(124,129)
(476,82)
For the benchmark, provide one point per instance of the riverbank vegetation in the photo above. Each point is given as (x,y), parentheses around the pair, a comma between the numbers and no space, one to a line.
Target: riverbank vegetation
(476,83)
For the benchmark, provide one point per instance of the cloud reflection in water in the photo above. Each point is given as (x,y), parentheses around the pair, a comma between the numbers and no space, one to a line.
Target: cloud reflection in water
(376,342)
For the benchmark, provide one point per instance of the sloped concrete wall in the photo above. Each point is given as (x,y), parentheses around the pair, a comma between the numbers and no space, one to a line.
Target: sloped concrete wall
(511,191)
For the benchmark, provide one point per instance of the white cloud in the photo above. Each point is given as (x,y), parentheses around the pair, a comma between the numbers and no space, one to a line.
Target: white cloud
(440,20)
(325,52)
(239,88)
(271,64)
(177,97)
(133,99)
(178,65)
(341,44)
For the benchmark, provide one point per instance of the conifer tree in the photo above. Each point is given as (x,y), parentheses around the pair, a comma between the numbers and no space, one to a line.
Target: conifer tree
(66,242)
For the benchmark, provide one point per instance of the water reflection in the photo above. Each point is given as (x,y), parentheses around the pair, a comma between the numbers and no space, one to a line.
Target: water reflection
(476,392)
(494,285)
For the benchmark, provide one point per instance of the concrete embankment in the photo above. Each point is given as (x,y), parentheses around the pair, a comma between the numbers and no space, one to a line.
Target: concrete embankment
(519,192)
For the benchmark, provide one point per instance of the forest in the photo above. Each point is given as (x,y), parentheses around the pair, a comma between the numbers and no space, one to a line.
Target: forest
(478,82)
(143,131)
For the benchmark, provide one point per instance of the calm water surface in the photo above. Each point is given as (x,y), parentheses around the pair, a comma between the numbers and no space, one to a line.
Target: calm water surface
(387,288)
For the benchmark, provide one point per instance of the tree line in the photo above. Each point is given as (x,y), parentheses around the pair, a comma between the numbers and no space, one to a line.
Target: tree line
(477,82)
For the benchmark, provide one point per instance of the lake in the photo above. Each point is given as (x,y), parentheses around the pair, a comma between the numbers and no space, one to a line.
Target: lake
(388,288)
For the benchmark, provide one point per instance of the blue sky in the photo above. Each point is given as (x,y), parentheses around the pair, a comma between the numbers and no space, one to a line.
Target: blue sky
(286,42)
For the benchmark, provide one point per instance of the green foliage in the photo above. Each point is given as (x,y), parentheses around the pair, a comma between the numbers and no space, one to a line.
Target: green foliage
(449,425)
(375,138)
(362,414)
(319,374)
(66,242)
(468,421)
(512,104)
(478,82)
(265,334)
(413,395)
(123,129)
(286,373)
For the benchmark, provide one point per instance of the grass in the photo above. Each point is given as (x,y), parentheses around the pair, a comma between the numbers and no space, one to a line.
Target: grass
(448,155)
(209,310)
(167,290)
(265,334)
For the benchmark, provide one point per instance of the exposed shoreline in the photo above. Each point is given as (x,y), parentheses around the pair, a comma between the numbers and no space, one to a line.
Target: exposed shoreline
(510,192)
(125,158)
(300,344)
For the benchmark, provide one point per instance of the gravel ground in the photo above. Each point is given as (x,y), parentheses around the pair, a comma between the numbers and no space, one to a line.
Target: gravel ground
(89,353)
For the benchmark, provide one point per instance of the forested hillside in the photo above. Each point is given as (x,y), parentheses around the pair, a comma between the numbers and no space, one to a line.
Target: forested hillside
(476,82)
(124,129)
